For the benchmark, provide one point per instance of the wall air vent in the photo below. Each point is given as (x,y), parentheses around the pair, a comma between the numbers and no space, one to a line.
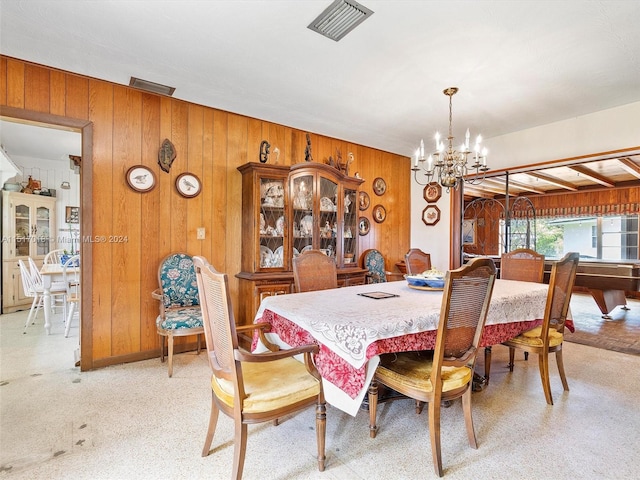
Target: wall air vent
(340,18)
(148,86)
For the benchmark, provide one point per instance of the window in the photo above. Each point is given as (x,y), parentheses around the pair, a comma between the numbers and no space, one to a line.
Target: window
(606,238)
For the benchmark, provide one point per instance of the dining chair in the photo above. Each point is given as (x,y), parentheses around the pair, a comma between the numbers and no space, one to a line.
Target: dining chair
(521,264)
(252,388)
(71,278)
(445,373)
(548,337)
(313,270)
(373,261)
(54,256)
(33,288)
(180,314)
(417,261)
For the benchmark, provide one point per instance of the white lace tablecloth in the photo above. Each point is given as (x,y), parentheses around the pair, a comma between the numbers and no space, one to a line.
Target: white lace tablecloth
(347,323)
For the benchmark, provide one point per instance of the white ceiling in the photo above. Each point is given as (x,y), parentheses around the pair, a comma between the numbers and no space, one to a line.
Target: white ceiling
(518,64)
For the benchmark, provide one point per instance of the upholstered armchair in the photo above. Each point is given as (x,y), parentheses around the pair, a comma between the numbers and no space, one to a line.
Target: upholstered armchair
(373,261)
(180,314)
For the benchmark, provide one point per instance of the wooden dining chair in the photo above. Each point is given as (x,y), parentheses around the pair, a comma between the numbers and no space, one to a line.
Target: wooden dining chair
(549,336)
(417,261)
(252,388)
(445,373)
(313,270)
(521,264)
(179,304)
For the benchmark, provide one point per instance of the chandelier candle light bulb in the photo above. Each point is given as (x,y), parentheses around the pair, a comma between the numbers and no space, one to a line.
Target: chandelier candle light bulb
(450,167)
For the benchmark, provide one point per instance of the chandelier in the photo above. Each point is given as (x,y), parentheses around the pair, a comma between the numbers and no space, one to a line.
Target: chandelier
(448,166)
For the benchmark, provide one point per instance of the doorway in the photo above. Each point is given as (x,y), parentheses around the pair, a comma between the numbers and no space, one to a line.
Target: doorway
(74,231)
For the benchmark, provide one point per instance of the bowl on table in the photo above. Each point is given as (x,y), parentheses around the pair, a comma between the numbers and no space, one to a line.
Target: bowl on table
(425,282)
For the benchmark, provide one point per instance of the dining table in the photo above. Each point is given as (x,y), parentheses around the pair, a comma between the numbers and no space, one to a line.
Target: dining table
(52,273)
(353,329)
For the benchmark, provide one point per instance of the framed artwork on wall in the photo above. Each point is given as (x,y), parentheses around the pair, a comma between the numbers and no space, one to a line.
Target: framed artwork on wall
(469,231)
(379,186)
(432,192)
(141,178)
(363,201)
(72,214)
(431,215)
(363,225)
(188,185)
(379,213)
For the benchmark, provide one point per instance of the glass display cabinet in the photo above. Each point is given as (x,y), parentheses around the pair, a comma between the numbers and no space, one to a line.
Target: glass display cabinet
(288,210)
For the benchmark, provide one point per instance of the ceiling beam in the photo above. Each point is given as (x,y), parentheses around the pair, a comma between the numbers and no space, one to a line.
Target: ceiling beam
(630,166)
(593,176)
(553,181)
(518,185)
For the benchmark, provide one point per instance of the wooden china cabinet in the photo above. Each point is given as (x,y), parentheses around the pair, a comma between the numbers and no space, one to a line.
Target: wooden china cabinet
(286,211)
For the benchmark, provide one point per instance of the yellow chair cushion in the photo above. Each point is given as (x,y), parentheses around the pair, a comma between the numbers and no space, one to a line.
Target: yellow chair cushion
(413,369)
(270,385)
(533,338)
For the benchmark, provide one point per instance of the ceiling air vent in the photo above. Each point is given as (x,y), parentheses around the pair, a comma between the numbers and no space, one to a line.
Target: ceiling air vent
(340,18)
(152,87)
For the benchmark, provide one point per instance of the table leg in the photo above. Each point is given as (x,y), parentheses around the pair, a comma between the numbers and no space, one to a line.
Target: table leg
(47,303)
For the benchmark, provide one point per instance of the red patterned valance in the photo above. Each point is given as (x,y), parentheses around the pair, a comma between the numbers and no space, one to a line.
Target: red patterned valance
(589,210)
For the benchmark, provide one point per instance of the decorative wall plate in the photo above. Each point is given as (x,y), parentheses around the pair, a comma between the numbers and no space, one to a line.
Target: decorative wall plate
(379,186)
(432,192)
(363,201)
(431,215)
(363,225)
(188,185)
(141,178)
(379,213)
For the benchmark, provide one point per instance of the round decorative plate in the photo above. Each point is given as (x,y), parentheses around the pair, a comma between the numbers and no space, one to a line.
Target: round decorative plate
(379,186)
(188,185)
(363,201)
(379,213)
(363,225)
(141,178)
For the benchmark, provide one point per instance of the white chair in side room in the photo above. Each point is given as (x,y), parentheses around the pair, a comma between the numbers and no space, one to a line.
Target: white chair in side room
(35,290)
(71,276)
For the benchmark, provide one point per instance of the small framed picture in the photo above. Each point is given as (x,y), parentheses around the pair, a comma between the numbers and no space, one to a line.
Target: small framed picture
(188,185)
(363,201)
(363,226)
(432,192)
(431,215)
(379,213)
(469,231)
(72,214)
(141,178)
(379,186)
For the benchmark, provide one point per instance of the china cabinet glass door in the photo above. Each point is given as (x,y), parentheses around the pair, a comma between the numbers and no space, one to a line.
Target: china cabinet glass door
(302,199)
(349,235)
(328,224)
(23,230)
(42,231)
(272,222)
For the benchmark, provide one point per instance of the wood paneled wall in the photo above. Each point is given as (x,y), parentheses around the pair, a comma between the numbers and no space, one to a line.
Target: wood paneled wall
(128,128)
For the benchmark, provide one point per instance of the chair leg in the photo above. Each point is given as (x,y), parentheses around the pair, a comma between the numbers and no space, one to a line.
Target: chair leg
(373,407)
(543,361)
(512,356)
(36,300)
(560,363)
(161,348)
(170,353)
(72,310)
(239,448)
(321,430)
(487,364)
(468,418)
(213,421)
(434,433)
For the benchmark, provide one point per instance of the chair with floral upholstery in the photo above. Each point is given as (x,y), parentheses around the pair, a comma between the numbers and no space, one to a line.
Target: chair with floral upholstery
(373,261)
(180,313)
